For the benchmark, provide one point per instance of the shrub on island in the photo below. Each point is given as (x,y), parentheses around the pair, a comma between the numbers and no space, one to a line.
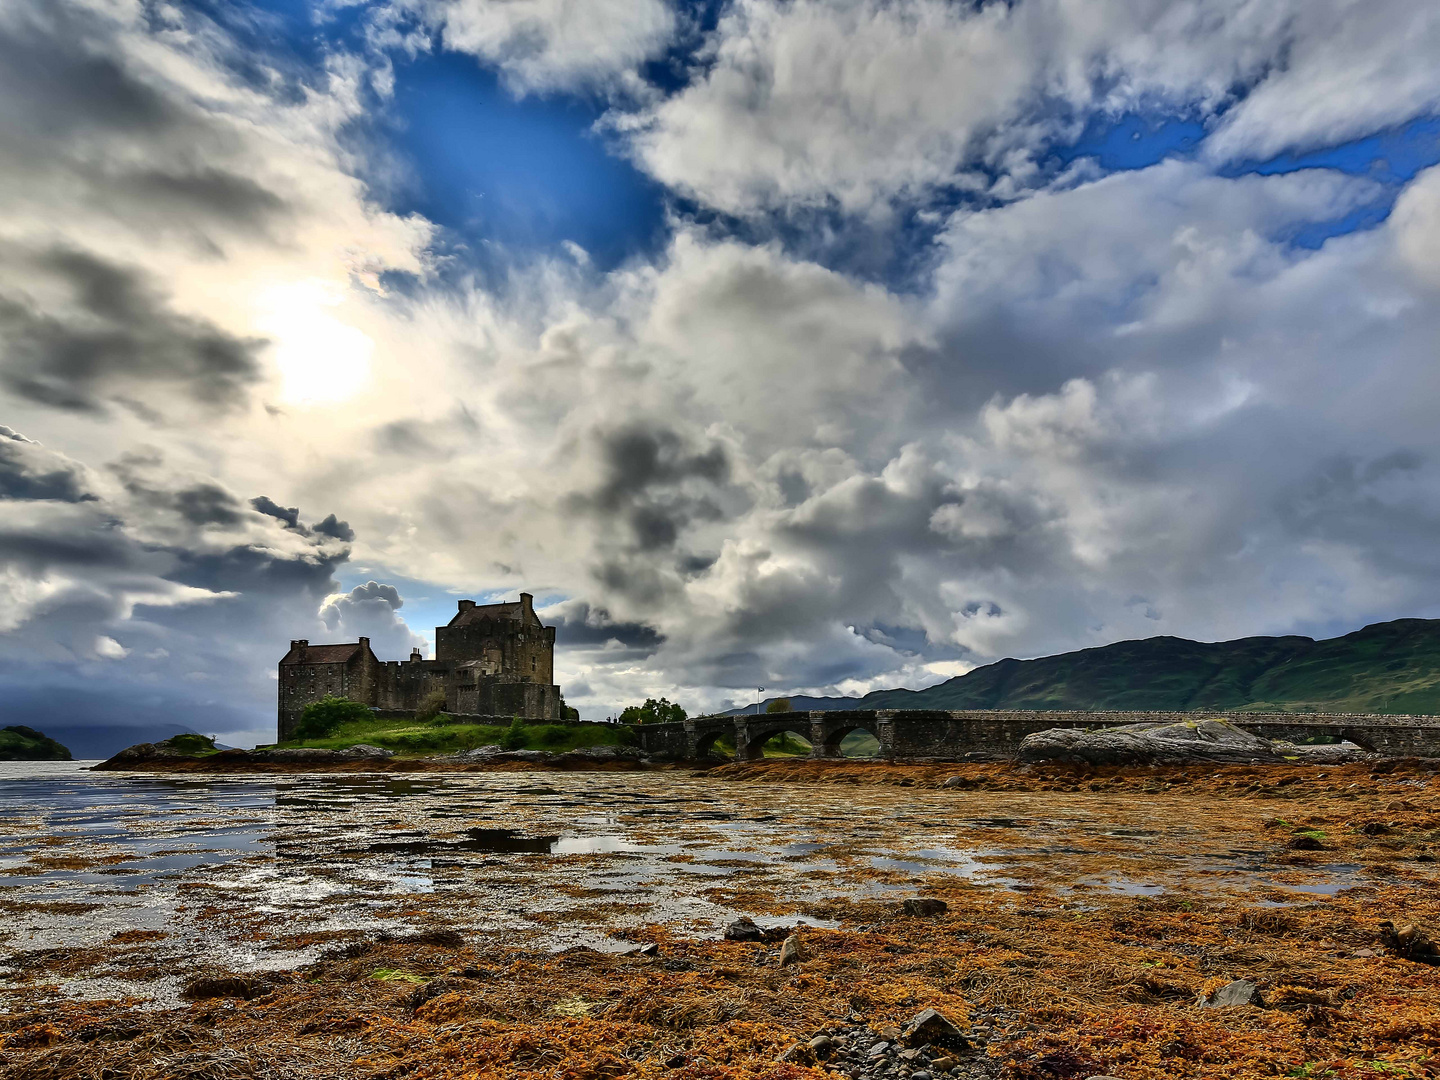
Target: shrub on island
(321,718)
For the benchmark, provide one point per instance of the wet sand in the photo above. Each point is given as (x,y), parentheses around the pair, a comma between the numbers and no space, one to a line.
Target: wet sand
(324,925)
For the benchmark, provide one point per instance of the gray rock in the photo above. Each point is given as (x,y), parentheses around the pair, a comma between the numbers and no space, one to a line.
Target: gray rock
(1175,743)
(879,1048)
(307,755)
(822,1044)
(366,750)
(1327,753)
(790,952)
(1239,992)
(649,949)
(605,753)
(932,1026)
(744,929)
(479,753)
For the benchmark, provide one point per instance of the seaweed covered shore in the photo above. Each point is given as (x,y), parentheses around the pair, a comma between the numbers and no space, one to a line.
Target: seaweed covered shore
(1100,947)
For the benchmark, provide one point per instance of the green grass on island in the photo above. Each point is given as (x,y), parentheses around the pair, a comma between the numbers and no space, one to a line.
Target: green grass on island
(409,737)
(19,743)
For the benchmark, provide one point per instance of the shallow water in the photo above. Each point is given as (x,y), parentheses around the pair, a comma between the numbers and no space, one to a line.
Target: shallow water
(263,872)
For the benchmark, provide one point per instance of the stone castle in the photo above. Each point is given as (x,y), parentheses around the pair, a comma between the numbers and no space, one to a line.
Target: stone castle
(492,659)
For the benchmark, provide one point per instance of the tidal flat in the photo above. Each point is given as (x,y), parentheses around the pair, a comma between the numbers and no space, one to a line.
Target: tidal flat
(570,925)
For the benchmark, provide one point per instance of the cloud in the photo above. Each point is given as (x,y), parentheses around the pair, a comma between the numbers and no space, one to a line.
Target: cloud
(862,102)
(370,610)
(78,330)
(543,46)
(289,516)
(29,471)
(174,586)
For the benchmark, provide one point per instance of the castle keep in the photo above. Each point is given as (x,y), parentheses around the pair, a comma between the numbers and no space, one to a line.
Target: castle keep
(495,659)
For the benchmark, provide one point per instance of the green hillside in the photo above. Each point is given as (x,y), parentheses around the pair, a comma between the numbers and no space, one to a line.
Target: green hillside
(19,743)
(1389,667)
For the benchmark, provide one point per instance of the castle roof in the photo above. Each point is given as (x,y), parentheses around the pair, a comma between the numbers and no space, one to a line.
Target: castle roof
(471,615)
(321,654)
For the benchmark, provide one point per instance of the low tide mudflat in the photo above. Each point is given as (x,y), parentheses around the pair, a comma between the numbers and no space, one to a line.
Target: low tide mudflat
(490,924)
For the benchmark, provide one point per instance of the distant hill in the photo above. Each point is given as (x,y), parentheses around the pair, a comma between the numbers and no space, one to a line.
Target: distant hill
(20,743)
(1391,667)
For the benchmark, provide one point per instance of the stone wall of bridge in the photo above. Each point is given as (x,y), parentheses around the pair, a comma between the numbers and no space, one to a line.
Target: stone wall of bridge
(954,734)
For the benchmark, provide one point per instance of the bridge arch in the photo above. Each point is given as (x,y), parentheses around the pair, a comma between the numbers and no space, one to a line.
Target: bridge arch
(835,736)
(705,743)
(758,735)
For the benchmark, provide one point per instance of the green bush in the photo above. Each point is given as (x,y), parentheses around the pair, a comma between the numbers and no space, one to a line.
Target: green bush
(654,711)
(781,704)
(515,736)
(190,743)
(554,734)
(323,717)
(432,706)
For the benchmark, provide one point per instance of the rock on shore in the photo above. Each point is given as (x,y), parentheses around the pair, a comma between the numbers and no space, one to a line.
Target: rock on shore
(1168,744)
(167,755)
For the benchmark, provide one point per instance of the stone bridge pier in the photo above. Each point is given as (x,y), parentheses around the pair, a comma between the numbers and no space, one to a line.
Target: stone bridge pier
(944,735)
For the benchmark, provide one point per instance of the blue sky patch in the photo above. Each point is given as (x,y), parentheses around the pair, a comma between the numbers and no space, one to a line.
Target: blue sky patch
(1133,141)
(523,174)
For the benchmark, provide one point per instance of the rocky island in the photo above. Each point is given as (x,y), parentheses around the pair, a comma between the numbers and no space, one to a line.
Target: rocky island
(20,743)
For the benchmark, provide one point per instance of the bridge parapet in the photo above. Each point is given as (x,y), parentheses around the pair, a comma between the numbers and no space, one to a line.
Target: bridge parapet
(952,734)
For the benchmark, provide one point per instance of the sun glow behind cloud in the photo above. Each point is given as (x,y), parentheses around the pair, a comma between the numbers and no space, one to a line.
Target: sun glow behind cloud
(319,358)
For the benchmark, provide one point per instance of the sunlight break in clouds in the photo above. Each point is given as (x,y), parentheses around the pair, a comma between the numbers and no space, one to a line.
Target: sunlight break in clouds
(320,358)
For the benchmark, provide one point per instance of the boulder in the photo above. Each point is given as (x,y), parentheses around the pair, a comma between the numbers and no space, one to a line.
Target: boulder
(479,753)
(1179,743)
(604,753)
(1409,942)
(933,1026)
(744,929)
(790,951)
(1239,992)
(309,755)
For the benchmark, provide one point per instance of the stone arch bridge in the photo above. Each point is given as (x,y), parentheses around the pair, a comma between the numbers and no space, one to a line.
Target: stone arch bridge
(947,735)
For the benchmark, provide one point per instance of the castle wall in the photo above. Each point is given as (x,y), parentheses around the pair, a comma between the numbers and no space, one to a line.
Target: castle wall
(503,697)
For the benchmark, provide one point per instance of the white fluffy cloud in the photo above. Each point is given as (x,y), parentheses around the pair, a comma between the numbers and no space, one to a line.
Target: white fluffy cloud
(857,103)
(545,45)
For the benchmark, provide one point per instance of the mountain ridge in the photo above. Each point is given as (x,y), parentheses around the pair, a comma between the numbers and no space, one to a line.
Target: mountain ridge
(1390,667)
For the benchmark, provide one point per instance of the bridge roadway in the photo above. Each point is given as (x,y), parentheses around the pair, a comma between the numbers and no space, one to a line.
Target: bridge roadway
(950,735)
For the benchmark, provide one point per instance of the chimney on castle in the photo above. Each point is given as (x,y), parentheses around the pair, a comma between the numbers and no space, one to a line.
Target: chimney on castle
(466,605)
(527,604)
(365,643)
(300,646)
(415,656)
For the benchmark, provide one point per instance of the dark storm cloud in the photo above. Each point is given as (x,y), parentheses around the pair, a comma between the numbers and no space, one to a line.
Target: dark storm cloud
(334,528)
(581,625)
(112,332)
(28,471)
(654,483)
(290,515)
(70,95)
(642,457)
